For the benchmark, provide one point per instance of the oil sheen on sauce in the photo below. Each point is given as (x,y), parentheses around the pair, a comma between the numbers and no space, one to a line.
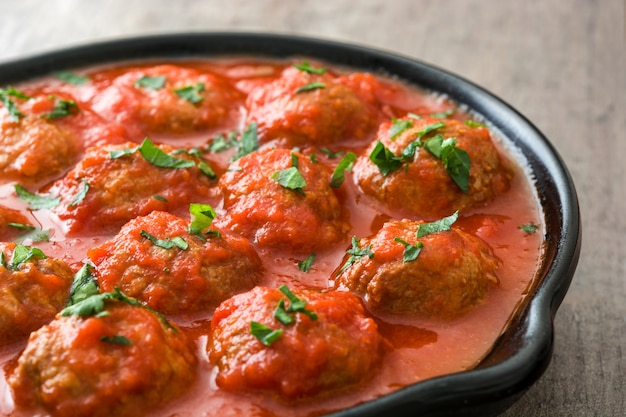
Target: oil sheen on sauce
(422,348)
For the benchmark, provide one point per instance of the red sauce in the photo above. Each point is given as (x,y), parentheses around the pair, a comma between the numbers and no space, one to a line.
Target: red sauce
(421,348)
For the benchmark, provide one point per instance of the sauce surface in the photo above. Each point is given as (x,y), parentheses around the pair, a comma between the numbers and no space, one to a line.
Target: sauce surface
(420,348)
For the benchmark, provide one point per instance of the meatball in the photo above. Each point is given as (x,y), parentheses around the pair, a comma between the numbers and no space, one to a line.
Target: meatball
(115,364)
(271,213)
(421,183)
(329,345)
(103,192)
(32,148)
(145,263)
(301,108)
(10,216)
(165,99)
(451,273)
(33,289)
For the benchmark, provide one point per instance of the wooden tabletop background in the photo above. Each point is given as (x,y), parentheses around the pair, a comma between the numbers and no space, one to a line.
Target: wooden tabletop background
(561,63)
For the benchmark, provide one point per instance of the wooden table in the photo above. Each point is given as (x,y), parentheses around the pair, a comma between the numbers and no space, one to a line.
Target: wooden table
(560,63)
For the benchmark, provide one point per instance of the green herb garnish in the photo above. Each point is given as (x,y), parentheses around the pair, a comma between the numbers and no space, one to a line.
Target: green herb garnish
(154,155)
(443,114)
(296,305)
(344,165)
(151,83)
(35,201)
(71,78)
(249,142)
(472,123)
(330,154)
(264,334)
(356,253)
(221,143)
(455,160)
(80,196)
(21,255)
(191,93)
(384,159)
(399,126)
(305,265)
(290,178)
(442,225)
(116,339)
(306,67)
(316,85)
(529,228)
(9,104)
(168,243)
(202,216)
(83,286)
(411,251)
(62,108)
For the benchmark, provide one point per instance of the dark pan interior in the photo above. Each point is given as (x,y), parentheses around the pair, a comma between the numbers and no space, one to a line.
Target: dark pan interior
(524,351)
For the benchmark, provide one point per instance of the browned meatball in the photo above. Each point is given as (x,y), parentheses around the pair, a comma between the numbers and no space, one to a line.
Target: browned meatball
(330,346)
(451,273)
(259,207)
(166,99)
(103,192)
(329,111)
(33,148)
(154,259)
(33,289)
(116,364)
(421,183)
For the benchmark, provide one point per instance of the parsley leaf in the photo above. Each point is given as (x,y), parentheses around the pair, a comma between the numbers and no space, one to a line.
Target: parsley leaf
(316,85)
(80,196)
(443,114)
(154,155)
(305,265)
(249,142)
(356,254)
(151,83)
(384,159)
(472,123)
(306,67)
(221,143)
(62,108)
(35,201)
(529,228)
(71,78)
(83,286)
(32,235)
(5,99)
(399,126)
(344,165)
(168,243)
(455,160)
(296,305)
(330,154)
(441,225)
(290,178)
(116,339)
(281,314)
(264,334)
(202,216)
(411,252)
(191,93)
(21,255)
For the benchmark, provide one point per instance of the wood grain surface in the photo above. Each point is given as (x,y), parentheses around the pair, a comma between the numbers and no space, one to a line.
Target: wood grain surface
(561,63)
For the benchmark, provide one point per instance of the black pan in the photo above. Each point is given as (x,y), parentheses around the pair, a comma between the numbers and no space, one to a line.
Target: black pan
(524,351)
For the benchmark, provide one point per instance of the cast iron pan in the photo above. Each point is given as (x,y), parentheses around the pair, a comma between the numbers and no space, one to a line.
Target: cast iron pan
(523,352)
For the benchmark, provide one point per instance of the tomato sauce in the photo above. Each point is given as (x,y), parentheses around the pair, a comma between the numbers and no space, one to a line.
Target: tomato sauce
(421,348)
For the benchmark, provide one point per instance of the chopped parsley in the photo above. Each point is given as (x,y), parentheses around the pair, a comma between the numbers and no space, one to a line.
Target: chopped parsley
(21,255)
(83,286)
(9,104)
(304,66)
(160,198)
(116,339)
(344,165)
(221,143)
(154,155)
(356,253)
(472,123)
(455,160)
(296,305)
(316,85)
(398,126)
(305,265)
(529,228)
(384,159)
(62,108)
(191,93)
(441,225)
(290,178)
(168,243)
(411,251)
(80,196)
(152,83)
(443,114)
(71,78)
(32,235)
(202,216)
(330,154)
(249,142)
(35,201)
(264,334)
